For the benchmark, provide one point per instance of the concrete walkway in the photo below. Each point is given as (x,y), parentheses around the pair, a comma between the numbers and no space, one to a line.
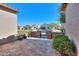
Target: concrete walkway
(38,38)
(28,47)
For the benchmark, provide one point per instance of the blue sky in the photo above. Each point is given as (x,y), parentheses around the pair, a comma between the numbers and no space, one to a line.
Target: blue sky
(37,13)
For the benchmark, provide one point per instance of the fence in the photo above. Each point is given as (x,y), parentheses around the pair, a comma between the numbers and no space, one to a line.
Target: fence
(49,34)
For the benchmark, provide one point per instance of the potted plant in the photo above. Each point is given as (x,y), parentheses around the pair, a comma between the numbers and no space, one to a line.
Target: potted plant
(63,45)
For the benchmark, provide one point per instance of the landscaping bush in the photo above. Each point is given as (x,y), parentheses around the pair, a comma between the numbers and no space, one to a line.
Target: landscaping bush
(24,36)
(63,45)
(22,32)
(21,37)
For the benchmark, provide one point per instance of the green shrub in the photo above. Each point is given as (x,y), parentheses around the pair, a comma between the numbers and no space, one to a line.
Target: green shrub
(63,45)
(22,32)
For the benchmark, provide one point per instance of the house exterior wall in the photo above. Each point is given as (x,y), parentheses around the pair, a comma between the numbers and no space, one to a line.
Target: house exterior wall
(72,23)
(8,24)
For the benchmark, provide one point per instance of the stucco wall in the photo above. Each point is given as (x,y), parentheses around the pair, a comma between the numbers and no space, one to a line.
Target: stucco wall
(72,23)
(8,24)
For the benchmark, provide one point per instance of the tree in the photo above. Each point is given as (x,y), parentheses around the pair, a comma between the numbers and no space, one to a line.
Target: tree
(18,27)
(26,27)
(53,25)
(62,17)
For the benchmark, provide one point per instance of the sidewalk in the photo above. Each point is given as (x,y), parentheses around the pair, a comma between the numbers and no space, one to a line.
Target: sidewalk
(38,38)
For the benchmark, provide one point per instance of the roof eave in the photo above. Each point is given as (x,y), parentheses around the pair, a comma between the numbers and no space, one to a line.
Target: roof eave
(7,8)
(63,7)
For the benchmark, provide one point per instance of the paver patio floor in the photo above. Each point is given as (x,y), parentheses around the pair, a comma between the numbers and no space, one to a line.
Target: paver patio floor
(28,47)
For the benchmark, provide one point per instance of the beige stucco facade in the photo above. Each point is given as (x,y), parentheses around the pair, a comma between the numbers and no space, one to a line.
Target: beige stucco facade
(72,23)
(8,23)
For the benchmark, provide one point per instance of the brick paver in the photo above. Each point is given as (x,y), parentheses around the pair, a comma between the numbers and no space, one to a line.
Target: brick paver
(28,47)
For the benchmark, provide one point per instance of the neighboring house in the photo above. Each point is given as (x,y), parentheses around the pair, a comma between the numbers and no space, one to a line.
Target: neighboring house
(8,21)
(44,28)
(26,27)
(72,22)
(56,30)
(35,27)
